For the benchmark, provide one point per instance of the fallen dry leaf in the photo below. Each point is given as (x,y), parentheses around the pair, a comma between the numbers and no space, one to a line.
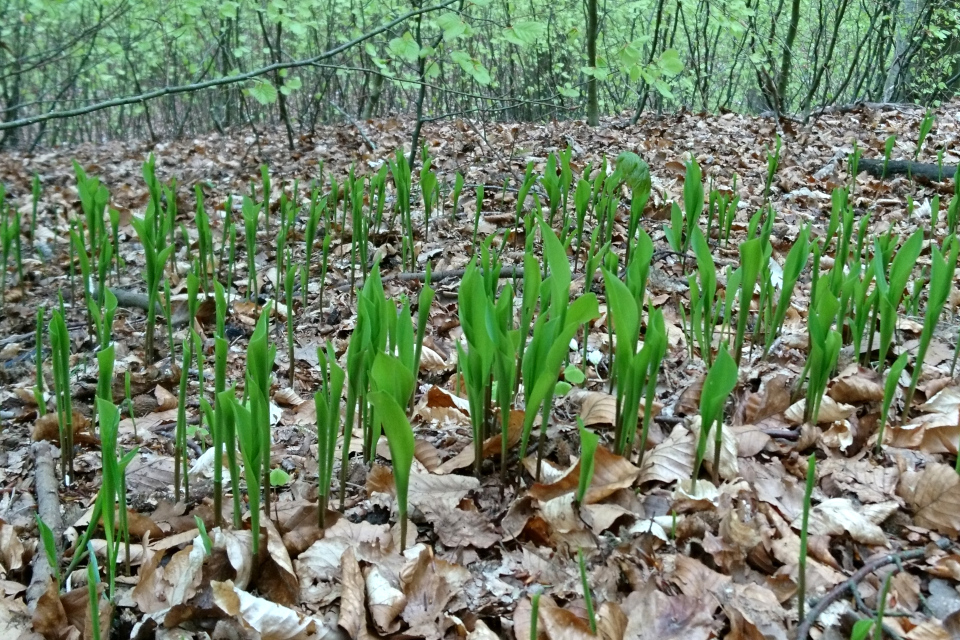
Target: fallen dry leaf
(934,496)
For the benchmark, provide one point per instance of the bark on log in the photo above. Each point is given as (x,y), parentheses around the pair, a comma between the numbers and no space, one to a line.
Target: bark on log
(48,506)
(894,167)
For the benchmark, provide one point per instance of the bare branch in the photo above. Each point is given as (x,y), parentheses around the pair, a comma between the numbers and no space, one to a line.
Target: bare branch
(219,82)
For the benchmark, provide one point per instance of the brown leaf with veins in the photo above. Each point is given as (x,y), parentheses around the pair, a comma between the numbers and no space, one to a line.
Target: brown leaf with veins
(856,384)
(386,601)
(934,496)
(834,516)
(353,616)
(753,611)
(611,473)
(429,584)
(671,460)
(653,615)
(277,580)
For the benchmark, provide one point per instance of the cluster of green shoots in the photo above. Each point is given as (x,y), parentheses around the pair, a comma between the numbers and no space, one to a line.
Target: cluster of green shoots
(510,348)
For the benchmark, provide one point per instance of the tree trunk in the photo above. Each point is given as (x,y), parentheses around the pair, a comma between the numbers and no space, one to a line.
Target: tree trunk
(593,107)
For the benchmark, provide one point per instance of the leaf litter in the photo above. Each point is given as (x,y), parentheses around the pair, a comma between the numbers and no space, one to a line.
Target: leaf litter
(663,560)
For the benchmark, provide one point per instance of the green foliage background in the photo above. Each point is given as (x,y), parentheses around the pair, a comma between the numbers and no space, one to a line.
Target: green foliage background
(497,59)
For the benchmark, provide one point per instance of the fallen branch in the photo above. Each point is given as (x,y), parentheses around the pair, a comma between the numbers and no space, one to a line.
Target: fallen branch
(869,567)
(218,82)
(356,124)
(903,167)
(435,276)
(48,507)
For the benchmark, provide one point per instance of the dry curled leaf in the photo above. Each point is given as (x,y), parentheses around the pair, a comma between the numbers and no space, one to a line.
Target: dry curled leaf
(934,496)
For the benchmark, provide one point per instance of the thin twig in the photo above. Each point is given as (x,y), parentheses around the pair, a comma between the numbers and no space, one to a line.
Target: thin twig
(834,594)
(356,124)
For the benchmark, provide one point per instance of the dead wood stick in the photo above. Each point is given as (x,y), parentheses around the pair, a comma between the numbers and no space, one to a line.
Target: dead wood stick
(48,507)
(356,124)
(869,567)
(924,169)
(435,276)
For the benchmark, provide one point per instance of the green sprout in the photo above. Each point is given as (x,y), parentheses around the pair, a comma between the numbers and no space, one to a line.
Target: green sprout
(890,387)
(805,519)
(587,597)
(327,401)
(720,381)
(60,345)
(155,258)
(588,450)
(392,385)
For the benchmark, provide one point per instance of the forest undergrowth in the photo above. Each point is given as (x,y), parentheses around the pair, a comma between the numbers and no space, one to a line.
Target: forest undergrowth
(688,378)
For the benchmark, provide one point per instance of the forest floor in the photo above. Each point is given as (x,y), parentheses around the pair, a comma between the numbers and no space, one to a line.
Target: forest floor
(661,563)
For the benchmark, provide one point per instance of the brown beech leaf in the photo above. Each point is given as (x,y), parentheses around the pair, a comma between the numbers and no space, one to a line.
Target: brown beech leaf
(654,615)
(934,496)
(353,617)
(611,472)
(277,580)
(270,620)
(835,516)
(856,384)
(671,460)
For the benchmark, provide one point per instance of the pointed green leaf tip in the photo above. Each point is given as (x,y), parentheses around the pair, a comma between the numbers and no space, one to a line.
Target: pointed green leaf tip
(633,171)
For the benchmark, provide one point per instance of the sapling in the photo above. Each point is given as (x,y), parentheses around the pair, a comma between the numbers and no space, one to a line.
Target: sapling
(891,293)
(327,403)
(155,259)
(926,125)
(113,489)
(534,610)
(455,195)
(265,183)
(218,426)
(773,161)
(581,200)
(227,228)
(317,212)
(825,346)
(180,477)
(551,185)
(204,238)
(796,261)
(479,211)
(251,214)
(38,362)
(168,313)
(260,359)
(702,320)
(674,232)
(720,381)
(477,319)
(941,282)
(887,150)
(93,589)
(49,548)
(392,383)
(751,257)
(60,345)
(588,450)
(629,367)
(890,387)
(656,342)
(587,596)
(429,192)
(551,338)
(805,519)
(35,200)
(529,180)
(128,403)
(288,298)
